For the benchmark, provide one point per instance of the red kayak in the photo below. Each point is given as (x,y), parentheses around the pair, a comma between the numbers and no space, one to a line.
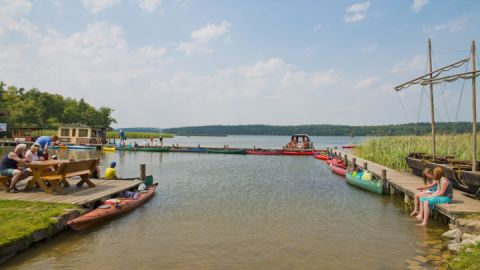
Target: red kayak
(322,157)
(265,152)
(348,146)
(338,169)
(298,153)
(106,211)
(335,161)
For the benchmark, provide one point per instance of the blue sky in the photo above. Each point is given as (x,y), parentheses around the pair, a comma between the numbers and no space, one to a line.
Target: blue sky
(184,62)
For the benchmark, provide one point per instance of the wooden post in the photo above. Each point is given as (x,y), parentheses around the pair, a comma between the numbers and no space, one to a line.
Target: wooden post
(354,163)
(346,160)
(432,108)
(365,166)
(384,180)
(474,112)
(142,172)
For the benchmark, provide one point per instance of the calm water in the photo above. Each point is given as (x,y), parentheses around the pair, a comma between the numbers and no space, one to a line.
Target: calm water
(243,212)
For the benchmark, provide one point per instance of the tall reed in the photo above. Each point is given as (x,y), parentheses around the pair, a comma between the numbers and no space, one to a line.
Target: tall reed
(391,151)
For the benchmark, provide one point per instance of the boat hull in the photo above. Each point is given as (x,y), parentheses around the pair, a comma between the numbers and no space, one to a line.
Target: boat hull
(99,215)
(472,180)
(370,185)
(322,157)
(342,171)
(449,173)
(264,152)
(298,153)
(228,151)
(416,165)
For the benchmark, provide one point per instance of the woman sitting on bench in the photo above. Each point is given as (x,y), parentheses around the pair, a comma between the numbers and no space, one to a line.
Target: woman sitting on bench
(9,166)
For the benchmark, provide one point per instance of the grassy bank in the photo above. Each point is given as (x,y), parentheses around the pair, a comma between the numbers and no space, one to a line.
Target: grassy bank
(19,219)
(467,258)
(114,134)
(391,151)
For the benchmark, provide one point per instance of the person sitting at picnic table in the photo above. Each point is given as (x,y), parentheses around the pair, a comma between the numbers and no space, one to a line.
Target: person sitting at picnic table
(425,190)
(32,153)
(111,172)
(9,166)
(442,195)
(45,142)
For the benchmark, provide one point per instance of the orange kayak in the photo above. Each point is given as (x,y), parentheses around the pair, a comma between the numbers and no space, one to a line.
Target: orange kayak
(101,214)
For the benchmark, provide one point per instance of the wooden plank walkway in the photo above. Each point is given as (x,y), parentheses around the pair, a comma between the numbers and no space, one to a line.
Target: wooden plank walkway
(408,184)
(73,194)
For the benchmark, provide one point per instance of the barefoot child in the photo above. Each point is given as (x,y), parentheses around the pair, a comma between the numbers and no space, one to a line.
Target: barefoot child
(425,190)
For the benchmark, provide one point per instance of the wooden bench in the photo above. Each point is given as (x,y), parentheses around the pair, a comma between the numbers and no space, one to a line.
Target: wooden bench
(3,182)
(82,168)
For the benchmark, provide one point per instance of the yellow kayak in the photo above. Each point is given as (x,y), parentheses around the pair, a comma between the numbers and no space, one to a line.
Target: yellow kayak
(109,148)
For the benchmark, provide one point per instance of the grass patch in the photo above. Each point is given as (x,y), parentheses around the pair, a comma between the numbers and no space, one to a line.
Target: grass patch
(467,258)
(391,151)
(19,219)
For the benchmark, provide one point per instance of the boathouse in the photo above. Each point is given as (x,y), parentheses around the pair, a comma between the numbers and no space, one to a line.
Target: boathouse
(82,134)
(25,134)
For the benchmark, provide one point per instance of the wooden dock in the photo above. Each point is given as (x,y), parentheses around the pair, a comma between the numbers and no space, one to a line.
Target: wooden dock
(407,184)
(81,196)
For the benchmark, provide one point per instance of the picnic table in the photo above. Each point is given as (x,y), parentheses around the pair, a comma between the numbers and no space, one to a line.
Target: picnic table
(55,173)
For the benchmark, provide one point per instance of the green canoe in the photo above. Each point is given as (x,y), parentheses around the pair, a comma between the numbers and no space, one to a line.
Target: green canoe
(228,151)
(145,149)
(374,185)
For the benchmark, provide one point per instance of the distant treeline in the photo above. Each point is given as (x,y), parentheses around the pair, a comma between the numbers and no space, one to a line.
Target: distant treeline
(325,130)
(35,109)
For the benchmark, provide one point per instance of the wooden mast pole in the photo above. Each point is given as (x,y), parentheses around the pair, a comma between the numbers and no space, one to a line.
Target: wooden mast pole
(432,108)
(474,112)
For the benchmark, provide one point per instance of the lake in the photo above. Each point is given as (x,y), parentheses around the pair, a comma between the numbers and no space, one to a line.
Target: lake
(243,212)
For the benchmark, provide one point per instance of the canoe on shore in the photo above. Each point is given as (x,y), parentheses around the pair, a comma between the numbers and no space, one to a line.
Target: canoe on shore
(373,185)
(338,169)
(228,151)
(99,214)
(264,152)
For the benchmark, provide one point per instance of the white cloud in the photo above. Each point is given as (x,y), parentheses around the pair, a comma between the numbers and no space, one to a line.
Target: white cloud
(210,31)
(95,6)
(201,37)
(356,12)
(451,26)
(417,5)
(149,5)
(417,63)
(366,83)
(13,15)
(151,51)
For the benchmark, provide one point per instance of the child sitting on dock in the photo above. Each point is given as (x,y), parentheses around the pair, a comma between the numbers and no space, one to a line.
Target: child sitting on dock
(442,195)
(425,190)
(111,172)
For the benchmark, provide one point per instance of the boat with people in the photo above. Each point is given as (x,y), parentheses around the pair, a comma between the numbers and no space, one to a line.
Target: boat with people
(113,207)
(365,180)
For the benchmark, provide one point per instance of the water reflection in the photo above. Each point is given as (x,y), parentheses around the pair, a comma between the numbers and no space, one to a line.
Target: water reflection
(243,212)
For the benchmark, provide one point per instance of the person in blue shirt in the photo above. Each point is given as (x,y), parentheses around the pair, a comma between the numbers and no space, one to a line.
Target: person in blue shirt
(44,142)
(122,137)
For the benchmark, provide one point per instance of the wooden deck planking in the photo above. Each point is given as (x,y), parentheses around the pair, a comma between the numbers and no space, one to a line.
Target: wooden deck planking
(408,183)
(74,194)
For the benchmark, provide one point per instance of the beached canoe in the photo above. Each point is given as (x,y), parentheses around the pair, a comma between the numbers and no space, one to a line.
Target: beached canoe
(228,151)
(338,169)
(81,147)
(102,214)
(298,153)
(264,152)
(373,185)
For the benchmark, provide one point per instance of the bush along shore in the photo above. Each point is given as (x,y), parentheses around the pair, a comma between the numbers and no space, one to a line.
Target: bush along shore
(24,223)
(464,236)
